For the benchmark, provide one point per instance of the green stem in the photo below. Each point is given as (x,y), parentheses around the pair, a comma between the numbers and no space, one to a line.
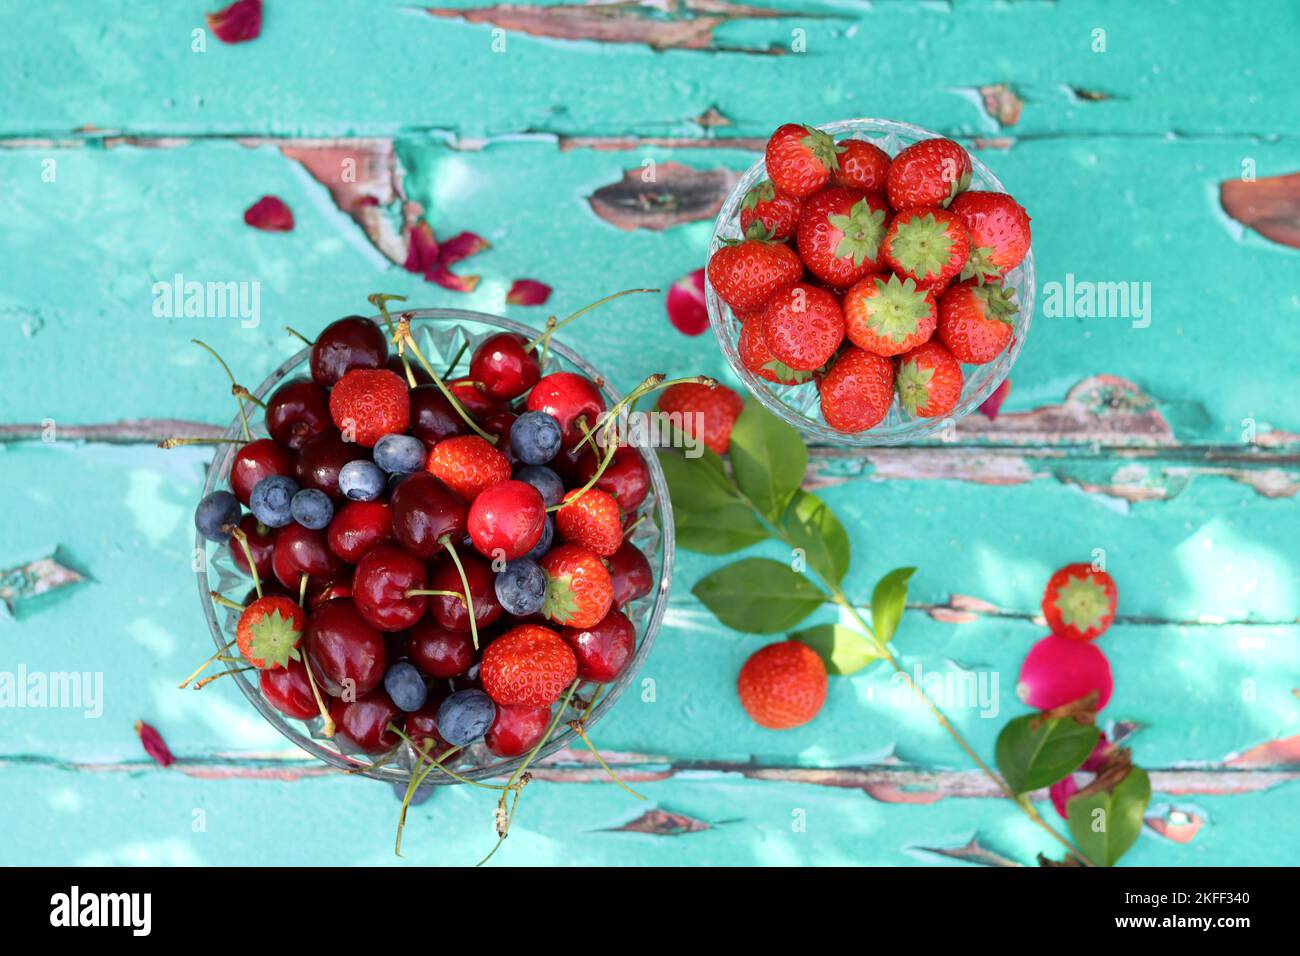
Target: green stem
(405,340)
(445,540)
(243,414)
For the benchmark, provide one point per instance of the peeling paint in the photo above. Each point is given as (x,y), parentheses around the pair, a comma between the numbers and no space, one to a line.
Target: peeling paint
(668,195)
(1269,206)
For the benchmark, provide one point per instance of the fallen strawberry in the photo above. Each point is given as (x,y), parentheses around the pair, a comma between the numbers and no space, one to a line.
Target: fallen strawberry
(717,410)
(783,685)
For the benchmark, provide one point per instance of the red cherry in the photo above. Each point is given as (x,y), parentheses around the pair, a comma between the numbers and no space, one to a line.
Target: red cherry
(351,342)
(300,551)
(432,417)
(297,412)
(627,478)
(424,511)
(504,367)
(261,542)
(506,520)
(422,728)
(358,527)
(437,651)
(335,589)
(320,460)
(516,730)
(379,588)
(343,651)
(255,461)
(630,572)
(603,649)
(472,397)
(450,612)
(364,722)
(570,399)
(287,690)
(499,424)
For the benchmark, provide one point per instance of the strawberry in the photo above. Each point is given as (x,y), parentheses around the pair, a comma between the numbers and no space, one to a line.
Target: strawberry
(758,358)
(1080,602)
(746,273)
(857,391)
(976,321)
(928,245)
(800,159)
(367,404)
(579,591)
(591,519)
(467,465)
(527,666)
(783,685)
(888,316)
(839,236)
(929,173)
(999,233)
(269,630)
(776,213)
(803,325)
(929,381)
(717,410)
(863,166)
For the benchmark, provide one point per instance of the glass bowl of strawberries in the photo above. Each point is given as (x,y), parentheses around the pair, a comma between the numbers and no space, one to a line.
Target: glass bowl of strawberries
(459,565)
(869,281)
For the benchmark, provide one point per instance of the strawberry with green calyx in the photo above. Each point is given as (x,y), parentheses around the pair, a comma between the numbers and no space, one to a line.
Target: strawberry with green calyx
(863,165)
(592,520)
(745,274)
(800,159)
(775,212)
(976,321)
(999,231)
(803,325)
(758,358)
(929,173)
(839,235)
(1080,602)
(579,590)
(929,381)
(888,316)
(711,411)
(928,245)
(269,631)
(857,390)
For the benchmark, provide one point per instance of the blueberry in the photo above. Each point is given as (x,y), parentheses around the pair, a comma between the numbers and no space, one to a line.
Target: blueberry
(312,508)
(544,480)
(405,685)
(214,511)
(535,438)
(362,480)
(465,716)
(400,454)
(544,543)
(521,587)
(271,500)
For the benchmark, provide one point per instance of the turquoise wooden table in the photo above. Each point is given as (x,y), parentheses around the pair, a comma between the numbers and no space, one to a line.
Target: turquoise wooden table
(130,147)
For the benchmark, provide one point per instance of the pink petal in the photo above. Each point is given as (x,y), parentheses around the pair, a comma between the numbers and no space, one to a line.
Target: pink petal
(154,745)
(421,248)
(1098,755)
(237,23)
(269,214)
(994,401)
(1061,792)
(686,309)
(460,247)
(449,280)
(528,292)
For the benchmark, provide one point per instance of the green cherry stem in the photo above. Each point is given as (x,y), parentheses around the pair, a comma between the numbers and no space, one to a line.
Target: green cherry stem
(445,541)
(178,442)
(380,301)
(328,729)
(460,353)
(243,413)
(421,592)
(298,335)
(224,601)
(553,326)
(302,590)
(238,534)
(208,680)
(576,726)
(206,664)
(404,340)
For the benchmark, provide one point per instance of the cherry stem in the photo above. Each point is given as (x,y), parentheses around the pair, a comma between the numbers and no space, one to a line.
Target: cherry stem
(328,729)
(414,784)
(552,326)
(177,442)
(445,540)
(576,726)
(240,392)
(224,601)
(208,680)
(404,340)
(460,353)
(302,590)
(419,592)
(296,334)
(238,534)
(243,413)
(205,665)
(380,301)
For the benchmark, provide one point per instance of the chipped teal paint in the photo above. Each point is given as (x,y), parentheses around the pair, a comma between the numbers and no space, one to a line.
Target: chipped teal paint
(1120,190)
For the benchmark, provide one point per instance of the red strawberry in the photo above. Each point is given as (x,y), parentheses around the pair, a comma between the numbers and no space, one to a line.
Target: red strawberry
(839,235)
(776,213)
(800,159)
(1080,602)
(929,173)
(888,316)
(999,233)
(928,245)
(758,358)
(863,166)
(976,321)
(803,325)
(269,630)
(527,666)
(929,381)
(367,404)
(579,591)
(717,408)
(591,519)
(467,465)
(857,391)
(783,685)
(746,273)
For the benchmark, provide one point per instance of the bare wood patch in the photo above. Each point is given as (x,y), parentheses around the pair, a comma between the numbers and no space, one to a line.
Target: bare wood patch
(31,579)
(1269,206)
(675,194)
(1002,103)
(973,851)
(658,822)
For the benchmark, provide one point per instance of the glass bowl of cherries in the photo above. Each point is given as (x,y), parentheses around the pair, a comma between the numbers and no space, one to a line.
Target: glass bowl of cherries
(428,558)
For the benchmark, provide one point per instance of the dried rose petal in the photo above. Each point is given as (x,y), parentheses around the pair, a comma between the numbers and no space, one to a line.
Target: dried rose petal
(449,280)
(460,247)
(994,401)
(1061,792)
(237,23)
(421,248)
(686,309)
(528,292)
(270,214)
(154,745)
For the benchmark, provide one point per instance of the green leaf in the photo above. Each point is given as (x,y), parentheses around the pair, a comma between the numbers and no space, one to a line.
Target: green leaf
(887,603)
(1033,752)
(813,527)
(844,650)
(1105,825)
(721,531)
(758,596)
(768,458)
(709,515)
